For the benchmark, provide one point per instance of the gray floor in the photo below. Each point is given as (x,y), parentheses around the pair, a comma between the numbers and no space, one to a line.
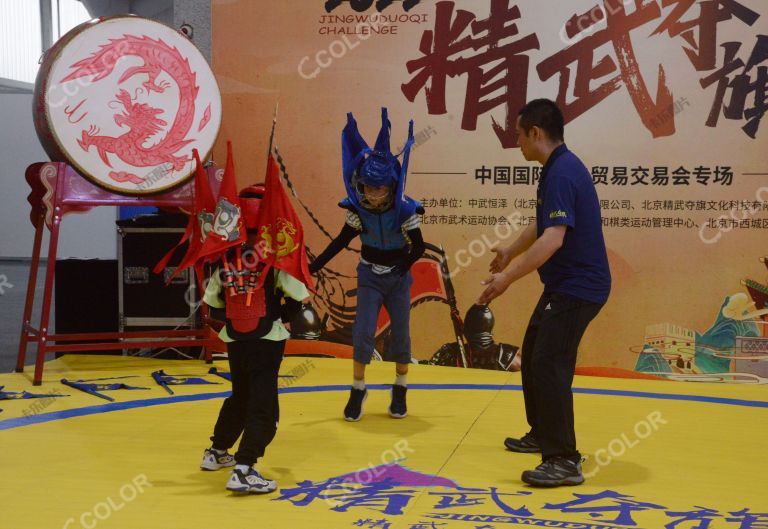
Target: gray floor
(14,276)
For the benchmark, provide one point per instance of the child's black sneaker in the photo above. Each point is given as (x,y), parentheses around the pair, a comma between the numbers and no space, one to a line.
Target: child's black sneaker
(354,409)
(398,408)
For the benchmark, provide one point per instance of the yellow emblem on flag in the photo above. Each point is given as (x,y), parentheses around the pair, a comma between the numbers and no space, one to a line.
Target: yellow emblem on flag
(285,243)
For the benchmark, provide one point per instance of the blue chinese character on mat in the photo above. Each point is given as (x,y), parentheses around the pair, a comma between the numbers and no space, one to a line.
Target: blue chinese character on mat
(383,496)
(704,516)
(426,525)
(469,497)
(373,524)
(749,520)
(606,502)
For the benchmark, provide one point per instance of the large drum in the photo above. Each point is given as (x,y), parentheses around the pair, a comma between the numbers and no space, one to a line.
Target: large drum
(124,100)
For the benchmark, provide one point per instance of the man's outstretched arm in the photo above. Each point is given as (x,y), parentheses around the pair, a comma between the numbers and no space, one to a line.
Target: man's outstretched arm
(539,253)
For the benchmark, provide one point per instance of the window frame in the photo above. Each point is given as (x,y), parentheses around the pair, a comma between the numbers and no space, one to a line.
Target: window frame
(15,86)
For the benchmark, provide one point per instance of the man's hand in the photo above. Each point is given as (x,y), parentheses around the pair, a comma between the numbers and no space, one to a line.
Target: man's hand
(497,285)
(502,259)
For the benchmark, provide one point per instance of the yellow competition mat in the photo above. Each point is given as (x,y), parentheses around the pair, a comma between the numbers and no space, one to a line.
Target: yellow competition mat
(659,454)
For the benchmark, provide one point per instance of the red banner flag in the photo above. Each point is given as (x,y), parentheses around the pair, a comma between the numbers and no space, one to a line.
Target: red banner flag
(200,221)
(228,229)
(281,237)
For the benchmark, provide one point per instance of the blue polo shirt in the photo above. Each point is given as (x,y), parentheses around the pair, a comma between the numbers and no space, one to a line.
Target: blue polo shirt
(566,196)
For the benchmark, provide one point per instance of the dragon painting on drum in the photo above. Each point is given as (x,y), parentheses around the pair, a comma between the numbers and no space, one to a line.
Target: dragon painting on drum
(124,100)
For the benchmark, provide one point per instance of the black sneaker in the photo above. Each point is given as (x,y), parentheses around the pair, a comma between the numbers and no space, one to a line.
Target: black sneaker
(398,409)
(354,409)
(527,444)
(554,472)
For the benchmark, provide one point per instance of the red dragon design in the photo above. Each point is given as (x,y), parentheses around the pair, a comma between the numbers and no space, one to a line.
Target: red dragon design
(141,119)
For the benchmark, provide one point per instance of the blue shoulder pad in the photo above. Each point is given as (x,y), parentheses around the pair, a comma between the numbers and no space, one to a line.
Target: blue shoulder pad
(409,207)
(347,203)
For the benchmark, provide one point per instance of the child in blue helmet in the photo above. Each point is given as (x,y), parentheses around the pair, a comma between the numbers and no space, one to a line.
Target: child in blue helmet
(388,223)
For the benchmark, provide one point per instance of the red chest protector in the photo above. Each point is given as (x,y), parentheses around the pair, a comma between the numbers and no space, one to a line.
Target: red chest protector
(250,322)
(245,318)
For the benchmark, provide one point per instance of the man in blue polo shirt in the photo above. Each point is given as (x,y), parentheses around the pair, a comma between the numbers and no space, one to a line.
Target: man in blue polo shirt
(566,245)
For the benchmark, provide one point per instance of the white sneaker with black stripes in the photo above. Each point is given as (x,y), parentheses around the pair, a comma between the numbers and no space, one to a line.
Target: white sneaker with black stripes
(251,482)
(216,460)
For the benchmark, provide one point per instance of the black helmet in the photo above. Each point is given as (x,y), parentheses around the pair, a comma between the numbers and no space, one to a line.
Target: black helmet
(305,324)
(478,325)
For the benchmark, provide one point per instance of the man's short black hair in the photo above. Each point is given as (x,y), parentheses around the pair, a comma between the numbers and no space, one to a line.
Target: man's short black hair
(546,115)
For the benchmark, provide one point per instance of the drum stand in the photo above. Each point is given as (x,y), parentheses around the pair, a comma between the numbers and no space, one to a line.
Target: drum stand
(57,190)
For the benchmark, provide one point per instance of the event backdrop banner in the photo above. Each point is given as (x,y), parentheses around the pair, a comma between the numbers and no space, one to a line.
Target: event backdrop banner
(663,101)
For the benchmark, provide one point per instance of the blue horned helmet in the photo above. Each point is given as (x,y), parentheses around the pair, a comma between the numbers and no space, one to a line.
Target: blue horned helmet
(375,167)
(380,169)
